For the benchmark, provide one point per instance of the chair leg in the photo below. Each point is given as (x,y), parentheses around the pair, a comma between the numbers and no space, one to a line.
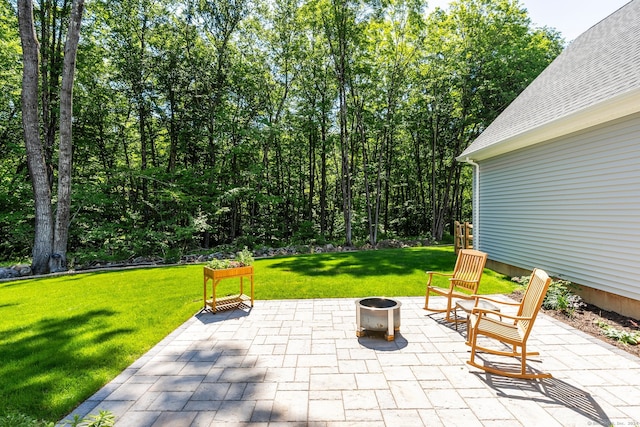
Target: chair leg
(472,321)
(426,305)
(455,318)
(438,310)
(447,317)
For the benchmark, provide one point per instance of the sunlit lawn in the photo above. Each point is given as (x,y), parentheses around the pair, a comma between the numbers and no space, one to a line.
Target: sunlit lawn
(62,338)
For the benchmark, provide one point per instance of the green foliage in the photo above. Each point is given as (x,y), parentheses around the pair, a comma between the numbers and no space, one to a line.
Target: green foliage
(229,131)
(221,264)
(10,53)
(16,419)
(16,196)
(307,233)
(560,295)
(102,419)
(16,217)
(243,258)
(626,337)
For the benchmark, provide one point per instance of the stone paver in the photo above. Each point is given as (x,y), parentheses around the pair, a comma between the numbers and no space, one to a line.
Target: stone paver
(299,363)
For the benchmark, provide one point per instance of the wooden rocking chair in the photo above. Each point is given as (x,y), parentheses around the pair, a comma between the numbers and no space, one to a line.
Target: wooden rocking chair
(514,331)
(463,282)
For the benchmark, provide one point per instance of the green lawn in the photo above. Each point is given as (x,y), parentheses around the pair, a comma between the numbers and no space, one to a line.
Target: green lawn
(62,338)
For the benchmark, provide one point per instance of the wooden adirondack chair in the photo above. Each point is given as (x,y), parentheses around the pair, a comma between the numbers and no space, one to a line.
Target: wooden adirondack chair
(511,330)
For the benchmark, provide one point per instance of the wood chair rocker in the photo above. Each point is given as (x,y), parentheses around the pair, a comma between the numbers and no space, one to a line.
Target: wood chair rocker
(463,282)
(514,331)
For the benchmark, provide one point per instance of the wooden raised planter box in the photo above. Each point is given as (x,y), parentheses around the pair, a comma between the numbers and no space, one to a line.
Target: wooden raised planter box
(231,301)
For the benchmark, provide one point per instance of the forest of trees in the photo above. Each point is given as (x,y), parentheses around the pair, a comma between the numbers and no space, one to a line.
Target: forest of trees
(260,122)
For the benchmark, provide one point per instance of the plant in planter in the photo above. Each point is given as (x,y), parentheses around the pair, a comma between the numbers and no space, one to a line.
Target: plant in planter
(244,258)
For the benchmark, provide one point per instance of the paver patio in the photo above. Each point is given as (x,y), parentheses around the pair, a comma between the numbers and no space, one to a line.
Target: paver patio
(299,363)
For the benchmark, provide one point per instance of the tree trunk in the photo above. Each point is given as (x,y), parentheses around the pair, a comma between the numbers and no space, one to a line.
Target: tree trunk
(43,239)
(173,131)
(341,71)
(346,168)
(371,225)
(58,260)
(313,137)
(323,169)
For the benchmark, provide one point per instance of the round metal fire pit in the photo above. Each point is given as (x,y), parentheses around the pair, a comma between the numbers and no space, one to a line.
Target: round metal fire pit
(377,314)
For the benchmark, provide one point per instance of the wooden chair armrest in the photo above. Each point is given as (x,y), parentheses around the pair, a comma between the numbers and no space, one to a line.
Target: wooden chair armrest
(432,273)
(497,301)
(481,311)
(438,273)
(478,311)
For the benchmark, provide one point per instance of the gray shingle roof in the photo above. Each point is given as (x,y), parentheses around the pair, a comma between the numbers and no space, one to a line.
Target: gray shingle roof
(601,64)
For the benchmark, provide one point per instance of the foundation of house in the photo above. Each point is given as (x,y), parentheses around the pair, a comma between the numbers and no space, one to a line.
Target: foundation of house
(604,300)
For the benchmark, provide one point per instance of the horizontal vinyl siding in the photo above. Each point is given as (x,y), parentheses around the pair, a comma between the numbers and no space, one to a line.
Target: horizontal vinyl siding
(570,206)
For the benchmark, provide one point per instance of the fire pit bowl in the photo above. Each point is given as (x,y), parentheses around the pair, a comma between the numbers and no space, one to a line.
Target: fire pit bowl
(377,314)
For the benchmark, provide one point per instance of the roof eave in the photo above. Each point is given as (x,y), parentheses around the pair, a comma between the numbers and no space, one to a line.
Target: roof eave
(611,109)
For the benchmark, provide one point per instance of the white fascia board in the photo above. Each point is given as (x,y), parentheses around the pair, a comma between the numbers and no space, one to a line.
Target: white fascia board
(613,108)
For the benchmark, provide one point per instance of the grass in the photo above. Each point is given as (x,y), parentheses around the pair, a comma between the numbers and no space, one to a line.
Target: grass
(62,338)
(392,272)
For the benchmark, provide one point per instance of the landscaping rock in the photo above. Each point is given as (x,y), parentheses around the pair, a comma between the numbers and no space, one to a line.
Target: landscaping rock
(222,252)
(8,273)
(22,269)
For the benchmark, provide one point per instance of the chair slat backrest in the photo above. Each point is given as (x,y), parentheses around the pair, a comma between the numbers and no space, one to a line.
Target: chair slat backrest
(469,267)
(532,300)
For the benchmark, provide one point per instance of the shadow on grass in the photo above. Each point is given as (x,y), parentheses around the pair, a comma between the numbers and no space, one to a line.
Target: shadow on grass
(55,352)
(370,263)
(8,305)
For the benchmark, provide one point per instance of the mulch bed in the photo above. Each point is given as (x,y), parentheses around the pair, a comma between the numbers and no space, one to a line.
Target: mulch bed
(587,318)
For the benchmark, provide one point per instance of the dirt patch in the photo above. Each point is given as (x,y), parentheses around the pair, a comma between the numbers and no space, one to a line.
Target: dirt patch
(588,318)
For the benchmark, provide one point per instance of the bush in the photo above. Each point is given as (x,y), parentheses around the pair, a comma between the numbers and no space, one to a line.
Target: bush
(20,420)
(559,297)
(103,419)
(632,338)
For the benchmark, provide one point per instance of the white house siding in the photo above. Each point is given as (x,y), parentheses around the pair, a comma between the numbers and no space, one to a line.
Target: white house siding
(570,206)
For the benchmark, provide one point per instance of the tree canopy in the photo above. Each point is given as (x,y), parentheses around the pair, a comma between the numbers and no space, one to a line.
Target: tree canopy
(203,122)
